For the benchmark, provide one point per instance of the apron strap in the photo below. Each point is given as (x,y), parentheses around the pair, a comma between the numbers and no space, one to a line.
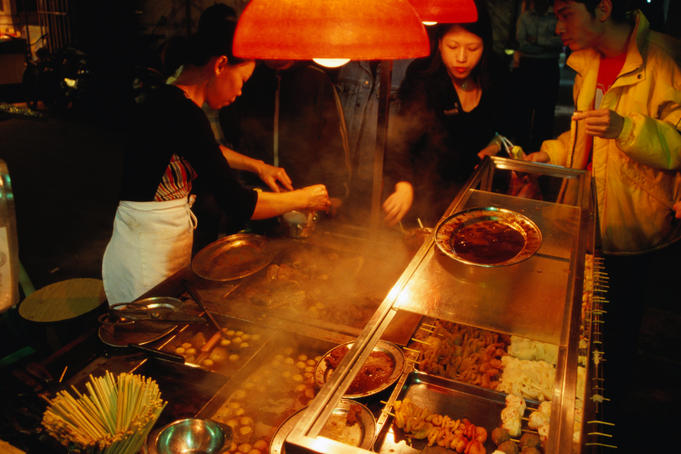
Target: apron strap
(192,217)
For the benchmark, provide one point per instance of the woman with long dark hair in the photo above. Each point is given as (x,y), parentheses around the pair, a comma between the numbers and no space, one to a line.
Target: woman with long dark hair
(447,121)
(171,144)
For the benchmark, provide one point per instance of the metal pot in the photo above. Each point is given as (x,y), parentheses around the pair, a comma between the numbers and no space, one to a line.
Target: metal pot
(300,224)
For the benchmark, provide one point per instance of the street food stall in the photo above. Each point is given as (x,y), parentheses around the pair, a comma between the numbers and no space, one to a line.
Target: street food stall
(351,341)
(527,315)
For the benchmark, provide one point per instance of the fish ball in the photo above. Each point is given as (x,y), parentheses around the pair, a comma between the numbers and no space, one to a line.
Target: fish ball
(260,444)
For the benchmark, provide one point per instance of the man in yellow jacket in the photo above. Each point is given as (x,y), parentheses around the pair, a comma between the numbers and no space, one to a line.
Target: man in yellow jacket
(628,134)
(626,131)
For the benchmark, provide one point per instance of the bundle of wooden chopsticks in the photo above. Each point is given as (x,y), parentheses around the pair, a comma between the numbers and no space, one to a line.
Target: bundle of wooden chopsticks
(114,416)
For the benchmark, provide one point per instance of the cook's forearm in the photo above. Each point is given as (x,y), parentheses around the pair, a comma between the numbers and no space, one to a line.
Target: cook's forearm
(271,204)
(240,161)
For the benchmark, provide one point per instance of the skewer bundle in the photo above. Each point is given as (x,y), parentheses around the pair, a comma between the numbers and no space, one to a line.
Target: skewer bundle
(114,416)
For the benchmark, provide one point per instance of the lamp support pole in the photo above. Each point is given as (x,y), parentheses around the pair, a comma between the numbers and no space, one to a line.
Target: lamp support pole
(385,70)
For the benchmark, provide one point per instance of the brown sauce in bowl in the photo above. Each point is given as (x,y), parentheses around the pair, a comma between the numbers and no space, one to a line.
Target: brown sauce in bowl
(487,242)
(376,370)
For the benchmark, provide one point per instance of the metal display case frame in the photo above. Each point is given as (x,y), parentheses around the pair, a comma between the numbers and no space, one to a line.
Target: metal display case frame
(304,436)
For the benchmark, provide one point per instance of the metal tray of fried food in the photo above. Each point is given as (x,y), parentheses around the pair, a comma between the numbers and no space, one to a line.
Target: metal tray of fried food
(488,237)
(232,257)
(459,352)
(445,397)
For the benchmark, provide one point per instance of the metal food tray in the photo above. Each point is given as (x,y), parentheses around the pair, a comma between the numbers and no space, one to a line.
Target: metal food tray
(427,328)
(326,288)
(455,399)
(239,342)
(265,400)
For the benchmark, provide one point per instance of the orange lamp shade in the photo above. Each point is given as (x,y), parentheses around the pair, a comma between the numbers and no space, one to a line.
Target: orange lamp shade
(446,11)
(332,29)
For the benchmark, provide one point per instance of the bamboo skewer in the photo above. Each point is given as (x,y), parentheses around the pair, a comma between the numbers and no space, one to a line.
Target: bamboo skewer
(595,421)
(420,341)
(603,445)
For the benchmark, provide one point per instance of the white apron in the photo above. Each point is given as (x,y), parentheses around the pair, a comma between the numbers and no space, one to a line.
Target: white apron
(150,242)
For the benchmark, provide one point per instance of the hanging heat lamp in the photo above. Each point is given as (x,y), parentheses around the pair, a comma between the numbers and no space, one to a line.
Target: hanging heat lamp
(330,30)
(445,11)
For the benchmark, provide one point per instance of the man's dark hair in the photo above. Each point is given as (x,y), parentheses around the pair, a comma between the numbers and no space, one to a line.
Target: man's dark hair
(621,9)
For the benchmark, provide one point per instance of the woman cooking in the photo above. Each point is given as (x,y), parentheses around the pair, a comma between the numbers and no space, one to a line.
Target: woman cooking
(446,123)
(171,144)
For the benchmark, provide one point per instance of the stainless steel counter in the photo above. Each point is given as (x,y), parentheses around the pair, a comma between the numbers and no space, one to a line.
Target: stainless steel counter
(539,298)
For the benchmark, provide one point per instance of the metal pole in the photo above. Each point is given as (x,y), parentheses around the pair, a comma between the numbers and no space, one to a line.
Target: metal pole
(385,69)
(275,126)
(188,13)
(29,54)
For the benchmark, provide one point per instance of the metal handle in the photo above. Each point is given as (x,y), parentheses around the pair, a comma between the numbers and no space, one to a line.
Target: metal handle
(158,353)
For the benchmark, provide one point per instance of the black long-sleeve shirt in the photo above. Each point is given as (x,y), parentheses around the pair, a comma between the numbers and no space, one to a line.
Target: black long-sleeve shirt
(434,143)
(167,123)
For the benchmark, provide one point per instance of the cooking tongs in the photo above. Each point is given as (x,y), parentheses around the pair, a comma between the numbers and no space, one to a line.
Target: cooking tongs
(150,311)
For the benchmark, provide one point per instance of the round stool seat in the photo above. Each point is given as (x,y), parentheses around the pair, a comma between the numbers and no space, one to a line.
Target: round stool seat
(63,300)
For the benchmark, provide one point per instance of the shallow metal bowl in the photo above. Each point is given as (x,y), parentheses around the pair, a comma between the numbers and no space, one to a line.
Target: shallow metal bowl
(323,372)
(232,257)
(363,429)
(449,227)
(190,435)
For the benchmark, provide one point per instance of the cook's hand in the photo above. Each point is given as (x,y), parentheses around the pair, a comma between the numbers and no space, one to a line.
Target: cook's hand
(604,123)
(271,175)
(677,210)
(398,203)
(315,197)
(489,150)
(538,156)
